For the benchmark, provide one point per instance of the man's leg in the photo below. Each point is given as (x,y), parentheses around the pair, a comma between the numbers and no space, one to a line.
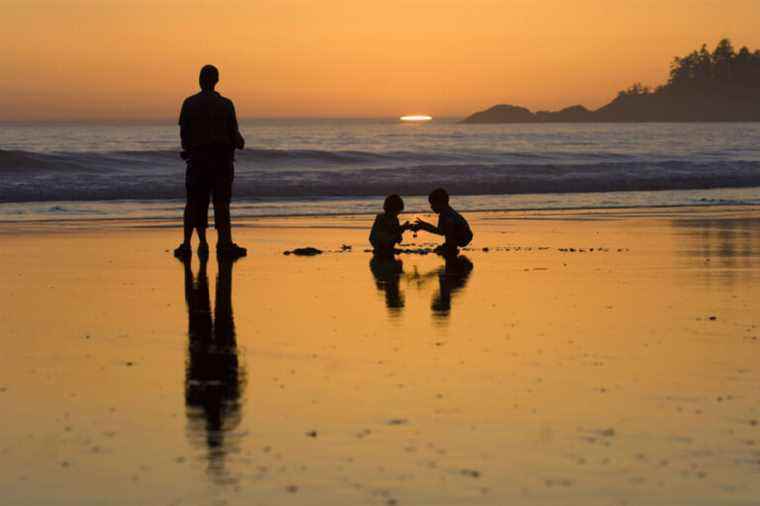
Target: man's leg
(200,203)
(187,223)
(201,230)
(222,196)
(201,223)
(183,249)
(201,217)
(222,211)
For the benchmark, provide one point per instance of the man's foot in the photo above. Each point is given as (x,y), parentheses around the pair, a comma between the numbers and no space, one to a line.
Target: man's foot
(183,251)
(230,250)
(203,250)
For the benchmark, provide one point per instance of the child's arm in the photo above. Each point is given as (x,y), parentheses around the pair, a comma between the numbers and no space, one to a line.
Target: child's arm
(428,227)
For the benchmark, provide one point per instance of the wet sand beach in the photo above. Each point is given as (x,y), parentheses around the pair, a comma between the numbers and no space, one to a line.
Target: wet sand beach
(577,358)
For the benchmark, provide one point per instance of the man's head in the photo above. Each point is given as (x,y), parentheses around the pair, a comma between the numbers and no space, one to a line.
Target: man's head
(209,77)
(393,205)
(439,200)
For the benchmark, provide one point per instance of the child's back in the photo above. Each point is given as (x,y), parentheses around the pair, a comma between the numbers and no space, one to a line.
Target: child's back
(385,233)
(454,227)
(387,230)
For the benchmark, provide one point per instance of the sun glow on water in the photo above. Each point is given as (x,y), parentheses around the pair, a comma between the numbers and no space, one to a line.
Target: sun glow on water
(416,117)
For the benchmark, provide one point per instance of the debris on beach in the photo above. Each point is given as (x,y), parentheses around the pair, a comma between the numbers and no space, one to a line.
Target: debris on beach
(312,433)
(470,473)
(304,252)
(414,251)
(430,248)
(398,421)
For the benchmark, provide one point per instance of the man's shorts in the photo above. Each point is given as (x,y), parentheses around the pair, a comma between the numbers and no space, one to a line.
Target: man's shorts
(209,173)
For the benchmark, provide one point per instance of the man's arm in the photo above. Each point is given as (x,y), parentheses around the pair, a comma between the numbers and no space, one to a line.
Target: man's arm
(184,134)
(237,138)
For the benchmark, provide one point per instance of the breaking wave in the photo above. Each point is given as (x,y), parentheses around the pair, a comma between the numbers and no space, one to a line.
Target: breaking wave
(159,174)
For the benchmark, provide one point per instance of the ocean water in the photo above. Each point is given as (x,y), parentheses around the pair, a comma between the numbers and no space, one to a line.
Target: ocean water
(297,167)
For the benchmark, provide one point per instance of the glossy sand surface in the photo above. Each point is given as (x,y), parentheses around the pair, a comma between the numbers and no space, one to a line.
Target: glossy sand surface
(525,374)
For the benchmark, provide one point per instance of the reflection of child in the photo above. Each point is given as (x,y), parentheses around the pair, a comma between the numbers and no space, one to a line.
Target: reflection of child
(386,231)
(451,224)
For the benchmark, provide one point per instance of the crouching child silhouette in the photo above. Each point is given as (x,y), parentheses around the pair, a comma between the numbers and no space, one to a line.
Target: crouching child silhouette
(451,225)
(387,231)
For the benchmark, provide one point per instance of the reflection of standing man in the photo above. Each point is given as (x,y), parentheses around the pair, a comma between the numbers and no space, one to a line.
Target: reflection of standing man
(210,135)
(214,377)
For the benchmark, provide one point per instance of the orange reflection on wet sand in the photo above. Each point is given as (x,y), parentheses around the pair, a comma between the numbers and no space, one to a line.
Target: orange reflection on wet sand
(583,358)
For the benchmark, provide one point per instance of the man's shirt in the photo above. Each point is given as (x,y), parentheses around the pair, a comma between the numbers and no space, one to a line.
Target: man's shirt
(208,119)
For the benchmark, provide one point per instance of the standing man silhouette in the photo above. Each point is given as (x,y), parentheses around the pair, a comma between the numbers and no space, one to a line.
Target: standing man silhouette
(209,133)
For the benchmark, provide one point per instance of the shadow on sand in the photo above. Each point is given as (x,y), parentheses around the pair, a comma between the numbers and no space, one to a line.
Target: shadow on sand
(388,271)
(452,277)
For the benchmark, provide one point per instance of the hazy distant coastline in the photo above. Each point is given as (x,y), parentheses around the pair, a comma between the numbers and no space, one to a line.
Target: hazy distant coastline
(720,86)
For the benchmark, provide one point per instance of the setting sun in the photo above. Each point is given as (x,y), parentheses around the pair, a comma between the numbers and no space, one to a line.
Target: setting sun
(416,117)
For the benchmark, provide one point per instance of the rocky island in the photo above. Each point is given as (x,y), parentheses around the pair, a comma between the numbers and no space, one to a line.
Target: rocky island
(720,86)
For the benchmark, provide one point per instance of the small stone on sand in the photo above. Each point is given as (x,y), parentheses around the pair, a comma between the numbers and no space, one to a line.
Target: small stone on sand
(304,252)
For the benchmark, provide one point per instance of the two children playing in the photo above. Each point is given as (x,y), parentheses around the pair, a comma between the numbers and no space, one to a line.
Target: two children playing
(387,231)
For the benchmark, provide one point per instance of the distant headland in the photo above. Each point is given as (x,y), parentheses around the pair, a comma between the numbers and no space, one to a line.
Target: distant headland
(720,86)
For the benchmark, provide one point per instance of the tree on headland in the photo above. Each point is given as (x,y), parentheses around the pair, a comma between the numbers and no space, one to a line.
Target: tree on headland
(723,70)
(634,90)
(718,85)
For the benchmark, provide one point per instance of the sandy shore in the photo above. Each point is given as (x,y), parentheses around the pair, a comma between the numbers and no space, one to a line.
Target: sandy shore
(586,358)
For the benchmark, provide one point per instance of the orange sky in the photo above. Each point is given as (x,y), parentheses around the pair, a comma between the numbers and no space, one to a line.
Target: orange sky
(139,58)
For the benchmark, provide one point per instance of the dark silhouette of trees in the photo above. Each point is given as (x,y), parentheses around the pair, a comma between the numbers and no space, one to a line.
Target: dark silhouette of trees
(722,85)
(723,72)
(634,90)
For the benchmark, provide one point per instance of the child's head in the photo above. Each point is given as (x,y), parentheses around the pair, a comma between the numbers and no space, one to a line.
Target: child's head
(393,205)
(439,200)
